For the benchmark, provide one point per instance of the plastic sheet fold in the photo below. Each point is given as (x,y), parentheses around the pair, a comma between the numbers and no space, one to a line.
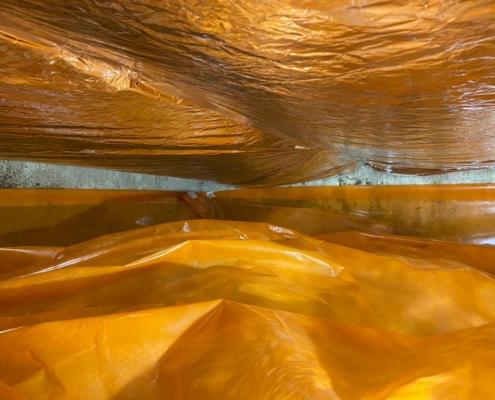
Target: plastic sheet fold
(249,92)
(249,309)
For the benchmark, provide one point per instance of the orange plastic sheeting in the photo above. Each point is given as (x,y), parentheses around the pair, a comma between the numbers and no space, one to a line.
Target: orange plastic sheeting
(63,217)
(458,213)
(217,309)
(249,91)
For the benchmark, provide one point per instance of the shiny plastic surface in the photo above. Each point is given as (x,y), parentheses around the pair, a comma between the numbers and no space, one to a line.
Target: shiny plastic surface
(217,309)
(249,92)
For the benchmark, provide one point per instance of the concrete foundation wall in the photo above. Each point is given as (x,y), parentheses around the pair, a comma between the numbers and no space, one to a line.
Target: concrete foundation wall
(18,174)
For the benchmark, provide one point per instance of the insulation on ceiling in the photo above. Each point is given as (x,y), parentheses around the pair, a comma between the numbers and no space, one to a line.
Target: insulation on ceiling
(249,92)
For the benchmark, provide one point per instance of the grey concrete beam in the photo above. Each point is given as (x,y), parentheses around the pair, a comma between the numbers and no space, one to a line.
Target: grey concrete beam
(19,174)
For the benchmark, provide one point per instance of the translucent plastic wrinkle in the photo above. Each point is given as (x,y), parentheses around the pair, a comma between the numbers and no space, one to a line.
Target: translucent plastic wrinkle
(218,309)
(249,92)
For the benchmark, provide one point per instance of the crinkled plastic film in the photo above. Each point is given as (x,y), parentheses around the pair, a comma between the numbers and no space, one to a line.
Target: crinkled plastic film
(249,92)
(360,308)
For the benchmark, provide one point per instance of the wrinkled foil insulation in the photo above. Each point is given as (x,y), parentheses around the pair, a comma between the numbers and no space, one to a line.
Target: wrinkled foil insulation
(249,92)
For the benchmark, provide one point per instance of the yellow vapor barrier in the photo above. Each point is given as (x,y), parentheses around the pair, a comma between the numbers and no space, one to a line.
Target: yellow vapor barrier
(291,293)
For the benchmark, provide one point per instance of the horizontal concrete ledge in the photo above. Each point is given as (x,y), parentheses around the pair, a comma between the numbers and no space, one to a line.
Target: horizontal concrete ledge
(20,174)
